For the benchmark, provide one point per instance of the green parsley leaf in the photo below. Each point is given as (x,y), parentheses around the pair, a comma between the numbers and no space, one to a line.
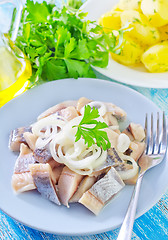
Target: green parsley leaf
(60,43)
(54,68)
(91,130)
(37,12)
(76,4)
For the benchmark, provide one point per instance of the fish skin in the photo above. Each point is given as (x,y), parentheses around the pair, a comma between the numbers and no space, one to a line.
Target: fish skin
(43,179)
(16,138)
(24,159)
(42,155)
(102,191)
(113,160)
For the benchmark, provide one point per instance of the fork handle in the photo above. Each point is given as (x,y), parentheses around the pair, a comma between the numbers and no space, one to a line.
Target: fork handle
(127,225)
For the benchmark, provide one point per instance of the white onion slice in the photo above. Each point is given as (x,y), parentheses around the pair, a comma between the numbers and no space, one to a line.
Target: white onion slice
(99,105)
(131,172)
(123,142)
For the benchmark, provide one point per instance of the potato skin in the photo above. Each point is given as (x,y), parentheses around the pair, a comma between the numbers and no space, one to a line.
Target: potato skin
(155,58)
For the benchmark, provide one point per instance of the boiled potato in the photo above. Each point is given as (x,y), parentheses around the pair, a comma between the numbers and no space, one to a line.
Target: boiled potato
(156,11)
(110,21)
(155,58)
(163,33)
(130,4)
(130,54)
(141,30)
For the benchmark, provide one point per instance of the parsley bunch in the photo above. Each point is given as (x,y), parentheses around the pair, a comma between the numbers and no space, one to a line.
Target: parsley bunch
(60,44)
(92,130)
(76,4)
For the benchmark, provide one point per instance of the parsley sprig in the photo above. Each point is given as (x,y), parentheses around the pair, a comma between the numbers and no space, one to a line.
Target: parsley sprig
(92,130)
(61,43)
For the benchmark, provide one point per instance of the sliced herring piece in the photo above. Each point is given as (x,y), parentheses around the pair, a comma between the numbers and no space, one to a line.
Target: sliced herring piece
(112,136)
(113,160)
(53,163)
(22,182)
(24,159)
(82,102)
(121,166)
(137,131)
(68,184)
(119,113)
(85,184)
(102,191)
(68,113)
(42,155)
(137,149)
(128,133)
(57,108)
(30,139)
(57,173)
(44,180)
(16,138)
(110,120)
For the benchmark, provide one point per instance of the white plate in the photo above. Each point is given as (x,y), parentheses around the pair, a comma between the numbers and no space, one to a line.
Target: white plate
(133,76)
(33,210)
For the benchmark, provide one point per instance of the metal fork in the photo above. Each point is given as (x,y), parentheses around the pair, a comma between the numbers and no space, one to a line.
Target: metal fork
(156,147)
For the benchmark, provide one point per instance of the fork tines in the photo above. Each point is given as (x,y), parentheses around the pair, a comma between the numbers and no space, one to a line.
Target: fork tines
(156,141)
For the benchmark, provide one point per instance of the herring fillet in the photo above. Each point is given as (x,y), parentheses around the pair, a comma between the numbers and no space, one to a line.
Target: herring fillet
(68,184)
(24,159)
(30,139)
(102,191)
(56,108)
(68,113)
(43,179)
(16,138)
(42,155)
(22,182)
(85,184)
